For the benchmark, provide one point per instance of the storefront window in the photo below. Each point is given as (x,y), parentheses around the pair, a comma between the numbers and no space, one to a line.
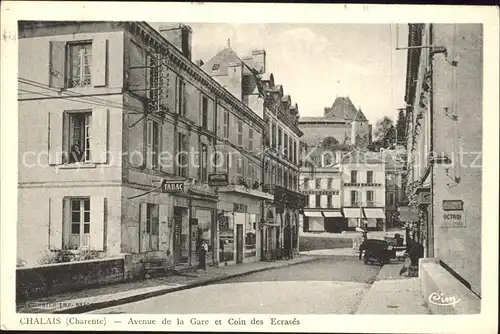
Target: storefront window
(226,235)
(204,229)
(250,237)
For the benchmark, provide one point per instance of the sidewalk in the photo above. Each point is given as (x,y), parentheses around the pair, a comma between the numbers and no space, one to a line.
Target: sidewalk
(393,294)
(348,251)
(122,293)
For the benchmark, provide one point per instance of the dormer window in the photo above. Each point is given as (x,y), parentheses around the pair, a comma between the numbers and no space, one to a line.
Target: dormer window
(215,67)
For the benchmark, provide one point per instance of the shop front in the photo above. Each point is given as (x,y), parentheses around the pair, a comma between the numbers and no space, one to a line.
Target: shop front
(375,218)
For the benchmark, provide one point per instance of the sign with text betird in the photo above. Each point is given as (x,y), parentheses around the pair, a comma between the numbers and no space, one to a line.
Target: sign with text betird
(453,219)
(218,180)
(173,187)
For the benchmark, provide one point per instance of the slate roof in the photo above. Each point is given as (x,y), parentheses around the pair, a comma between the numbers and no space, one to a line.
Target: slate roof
(222,58)
(343,109)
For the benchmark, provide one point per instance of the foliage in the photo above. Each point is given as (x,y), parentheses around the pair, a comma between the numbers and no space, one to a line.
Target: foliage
(20,262)
(401,126)
(242,181)
(410,192)
(385,134)
(59,256)
(89,255)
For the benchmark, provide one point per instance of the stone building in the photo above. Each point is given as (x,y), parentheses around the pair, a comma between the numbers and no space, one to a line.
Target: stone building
(342,121)
(444,93)
(248,79)
(120,130)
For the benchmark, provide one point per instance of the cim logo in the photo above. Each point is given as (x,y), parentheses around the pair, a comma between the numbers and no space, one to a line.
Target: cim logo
(442,300)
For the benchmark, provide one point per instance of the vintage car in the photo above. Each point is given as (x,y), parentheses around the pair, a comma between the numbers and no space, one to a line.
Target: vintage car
(374,250)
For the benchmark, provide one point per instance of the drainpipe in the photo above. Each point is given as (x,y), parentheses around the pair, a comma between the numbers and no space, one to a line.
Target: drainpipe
(430,219)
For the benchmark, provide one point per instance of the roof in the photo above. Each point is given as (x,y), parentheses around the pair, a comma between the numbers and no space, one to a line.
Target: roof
(343,109)
(223,58)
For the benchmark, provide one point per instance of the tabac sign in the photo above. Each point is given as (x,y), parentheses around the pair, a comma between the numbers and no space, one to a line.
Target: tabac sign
(172,187)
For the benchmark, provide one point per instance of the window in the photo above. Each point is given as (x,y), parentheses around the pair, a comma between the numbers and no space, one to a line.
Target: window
(318,183)
(370,198)
(294,152)
(240,132)
(204,112)
(203,163)
(181,97)
(318,201)
(369,177)
(182,154)
(306,183)
(286,178)
(226,162)
(329,201)
(354,176)
(390,179)
(80,137)
(280,178)
(290,149)
(330,183)
(250,139)
(290,181)
(354,198)
(226,124)
(154,84)
(280,144)
(80,223)
(273,134)
(215,67)
(307,200)
(152,226)
(153,149)
(239,167)
(273,174)
(390,199)
(79,65)
(286,152)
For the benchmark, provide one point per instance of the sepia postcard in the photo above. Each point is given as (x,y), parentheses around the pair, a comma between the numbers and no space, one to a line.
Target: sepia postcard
(249,167)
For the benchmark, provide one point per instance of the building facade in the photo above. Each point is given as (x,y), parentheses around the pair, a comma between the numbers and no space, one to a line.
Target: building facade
(444,95)
(120,132)
(248,79)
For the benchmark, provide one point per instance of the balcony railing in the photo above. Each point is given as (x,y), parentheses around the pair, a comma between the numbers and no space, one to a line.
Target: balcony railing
(363,184)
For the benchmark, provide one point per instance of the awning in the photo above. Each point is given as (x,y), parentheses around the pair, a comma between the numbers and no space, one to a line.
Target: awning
(332,213)
(313,214)
(353,213)
(374,213)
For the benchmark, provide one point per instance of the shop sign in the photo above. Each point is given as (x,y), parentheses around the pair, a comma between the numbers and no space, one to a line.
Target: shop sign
(424,198)
(218,180)
(172,187)
(194,221)
(450,205)
(453,219)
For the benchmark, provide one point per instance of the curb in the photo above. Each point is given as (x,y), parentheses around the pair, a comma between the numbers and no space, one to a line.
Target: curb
(142,296)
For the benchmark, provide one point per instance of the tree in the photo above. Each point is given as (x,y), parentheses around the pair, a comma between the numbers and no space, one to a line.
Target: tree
(385,134)
(401,127)
(329,142)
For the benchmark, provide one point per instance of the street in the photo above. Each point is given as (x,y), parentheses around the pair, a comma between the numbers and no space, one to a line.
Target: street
(329,285)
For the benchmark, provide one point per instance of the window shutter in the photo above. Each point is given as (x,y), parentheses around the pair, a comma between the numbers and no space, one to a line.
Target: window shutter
(177,94)
(99,61)
(55,137)
(97,223)
(164,236)
(142,227)
(56,66)
(99,139)
(56,223)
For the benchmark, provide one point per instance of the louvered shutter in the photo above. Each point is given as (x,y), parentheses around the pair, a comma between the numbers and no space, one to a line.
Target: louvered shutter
(97,206)
(99,135)
(56,223)
(164,232)
(56,65)
(55,137)
(99,61)
(142,227)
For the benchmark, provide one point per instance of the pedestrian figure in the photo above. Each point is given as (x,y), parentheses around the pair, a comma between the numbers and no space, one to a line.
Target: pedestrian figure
(203,255)
(76,154)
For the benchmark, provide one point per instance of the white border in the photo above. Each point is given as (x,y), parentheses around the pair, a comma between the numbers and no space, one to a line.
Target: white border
(252,13)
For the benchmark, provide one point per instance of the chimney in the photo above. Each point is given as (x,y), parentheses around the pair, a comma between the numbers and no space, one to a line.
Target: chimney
(179,35)
(259,60)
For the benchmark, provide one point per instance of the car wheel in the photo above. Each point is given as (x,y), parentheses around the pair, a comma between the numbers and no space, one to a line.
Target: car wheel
(366,259)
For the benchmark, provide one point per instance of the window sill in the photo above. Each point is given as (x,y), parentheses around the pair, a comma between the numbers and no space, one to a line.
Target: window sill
(77,166)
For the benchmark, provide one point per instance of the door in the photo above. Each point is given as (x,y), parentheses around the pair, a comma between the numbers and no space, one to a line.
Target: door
(239,243)
(177,238)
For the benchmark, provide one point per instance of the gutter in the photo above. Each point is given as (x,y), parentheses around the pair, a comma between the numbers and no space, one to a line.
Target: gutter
(430,219)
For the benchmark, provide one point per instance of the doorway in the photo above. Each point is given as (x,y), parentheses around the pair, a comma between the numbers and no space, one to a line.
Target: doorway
(239,243)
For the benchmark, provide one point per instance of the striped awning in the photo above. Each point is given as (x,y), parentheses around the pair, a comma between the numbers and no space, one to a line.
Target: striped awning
(313,214)
(332,214)
(374,213)
(353,213)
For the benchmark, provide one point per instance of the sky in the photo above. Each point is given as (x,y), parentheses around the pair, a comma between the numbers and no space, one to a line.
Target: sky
(317,62)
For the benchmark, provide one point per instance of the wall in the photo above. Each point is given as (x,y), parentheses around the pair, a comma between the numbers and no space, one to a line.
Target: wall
(459,89)
(40,218)
(315,133)
(42,281)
